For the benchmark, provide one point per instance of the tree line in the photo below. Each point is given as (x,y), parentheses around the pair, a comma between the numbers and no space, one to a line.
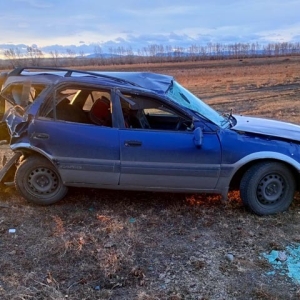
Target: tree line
(154,53)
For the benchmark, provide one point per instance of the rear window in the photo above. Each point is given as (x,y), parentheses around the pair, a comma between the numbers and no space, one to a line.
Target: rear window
(22,94)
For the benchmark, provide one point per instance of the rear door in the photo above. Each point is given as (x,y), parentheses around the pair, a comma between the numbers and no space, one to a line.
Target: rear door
(86,154)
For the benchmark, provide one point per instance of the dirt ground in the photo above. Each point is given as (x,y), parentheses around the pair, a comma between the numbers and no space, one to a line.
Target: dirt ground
(98,244)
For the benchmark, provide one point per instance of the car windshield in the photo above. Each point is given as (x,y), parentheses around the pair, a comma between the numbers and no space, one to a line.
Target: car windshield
(183,97)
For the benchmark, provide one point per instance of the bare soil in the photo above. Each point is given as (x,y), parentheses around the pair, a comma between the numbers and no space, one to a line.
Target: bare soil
(98,244)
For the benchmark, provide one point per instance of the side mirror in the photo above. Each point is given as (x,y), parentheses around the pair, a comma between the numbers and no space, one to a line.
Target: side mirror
(198,136)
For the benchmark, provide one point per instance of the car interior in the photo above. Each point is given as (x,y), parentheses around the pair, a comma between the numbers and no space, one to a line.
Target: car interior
(95,107)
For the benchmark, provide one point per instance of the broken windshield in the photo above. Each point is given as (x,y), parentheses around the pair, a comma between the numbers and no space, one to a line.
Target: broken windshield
(183,97)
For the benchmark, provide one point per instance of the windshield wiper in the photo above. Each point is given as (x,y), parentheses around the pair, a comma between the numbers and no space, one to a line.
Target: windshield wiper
(229,118)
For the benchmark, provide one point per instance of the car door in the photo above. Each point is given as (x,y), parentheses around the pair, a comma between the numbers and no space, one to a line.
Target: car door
(85,153)
(164,158)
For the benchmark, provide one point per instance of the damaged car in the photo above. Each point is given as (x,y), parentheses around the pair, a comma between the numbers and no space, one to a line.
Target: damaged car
(139,131)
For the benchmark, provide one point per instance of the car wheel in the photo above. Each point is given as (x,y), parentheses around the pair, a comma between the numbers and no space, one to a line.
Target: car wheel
(267,188)
(38,181)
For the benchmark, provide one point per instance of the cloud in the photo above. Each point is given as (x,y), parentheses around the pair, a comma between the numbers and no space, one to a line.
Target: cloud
(136,24)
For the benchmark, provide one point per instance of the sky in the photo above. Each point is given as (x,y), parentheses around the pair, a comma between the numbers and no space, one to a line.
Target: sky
(82,24)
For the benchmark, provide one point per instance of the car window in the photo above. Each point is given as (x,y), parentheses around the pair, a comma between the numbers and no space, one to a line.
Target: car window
(22,94)
(78,105)
(141,112)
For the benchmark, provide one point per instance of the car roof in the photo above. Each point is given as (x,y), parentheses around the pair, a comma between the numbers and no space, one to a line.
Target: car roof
(154,82)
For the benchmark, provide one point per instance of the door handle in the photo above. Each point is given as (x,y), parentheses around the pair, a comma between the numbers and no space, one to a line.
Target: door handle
(40,136)
(133,143)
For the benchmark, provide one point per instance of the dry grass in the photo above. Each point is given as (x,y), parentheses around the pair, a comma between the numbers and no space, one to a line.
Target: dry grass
(123,245)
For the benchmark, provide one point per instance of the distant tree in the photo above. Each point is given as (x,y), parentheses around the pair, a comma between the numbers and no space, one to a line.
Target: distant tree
(146,54)
(71,56)
(218,50)
(129,55)
(112,55)
(99,59)
(10,55)
(193,52)
(203,52)
(140,58)
(151,53)
(35,55)
(169,52)
(120,52)
(253,50)
(268,50)
(55,57)
(14,57)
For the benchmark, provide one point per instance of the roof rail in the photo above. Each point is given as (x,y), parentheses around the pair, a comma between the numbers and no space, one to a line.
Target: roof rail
(68,73)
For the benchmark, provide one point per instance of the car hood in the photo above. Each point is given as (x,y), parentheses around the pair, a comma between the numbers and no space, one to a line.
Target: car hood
(267,127)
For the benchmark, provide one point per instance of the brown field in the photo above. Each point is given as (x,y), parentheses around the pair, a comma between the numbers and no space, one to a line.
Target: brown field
(98,244)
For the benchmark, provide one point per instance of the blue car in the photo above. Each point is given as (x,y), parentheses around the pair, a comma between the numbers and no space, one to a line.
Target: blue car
(139,131)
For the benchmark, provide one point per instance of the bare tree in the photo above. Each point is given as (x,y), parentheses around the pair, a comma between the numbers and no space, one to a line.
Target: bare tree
(55,57)
(129,55)
(35,55)
(169,52)
(10,55)
(112,55)
(71,56)
(14,57)
(98,55)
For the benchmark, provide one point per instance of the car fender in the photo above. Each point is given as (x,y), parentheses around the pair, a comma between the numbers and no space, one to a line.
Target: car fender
(25,147)
(268,155)
(229,170)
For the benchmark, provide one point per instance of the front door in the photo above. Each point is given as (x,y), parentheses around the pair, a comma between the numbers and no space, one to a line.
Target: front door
(160,159)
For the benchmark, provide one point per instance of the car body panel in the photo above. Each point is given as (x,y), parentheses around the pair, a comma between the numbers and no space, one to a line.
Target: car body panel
(248,148)
(169,159)
(85,154)
(267,127)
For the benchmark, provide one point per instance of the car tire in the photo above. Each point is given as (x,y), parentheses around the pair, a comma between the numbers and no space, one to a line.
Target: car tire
(38,181)
(268,188)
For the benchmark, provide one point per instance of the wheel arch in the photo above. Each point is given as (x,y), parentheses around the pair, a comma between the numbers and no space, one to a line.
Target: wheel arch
(38,179)
(26,152)
(239,173)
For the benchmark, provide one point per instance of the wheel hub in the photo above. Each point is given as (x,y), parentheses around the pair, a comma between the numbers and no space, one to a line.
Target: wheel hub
(42,181)
(270,189)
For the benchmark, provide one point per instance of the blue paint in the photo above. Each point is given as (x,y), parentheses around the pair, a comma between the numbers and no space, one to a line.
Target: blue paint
(290,267)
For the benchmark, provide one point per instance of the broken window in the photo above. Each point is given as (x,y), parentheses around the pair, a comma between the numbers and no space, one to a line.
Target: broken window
(22,94)
(79,105)
(146,113)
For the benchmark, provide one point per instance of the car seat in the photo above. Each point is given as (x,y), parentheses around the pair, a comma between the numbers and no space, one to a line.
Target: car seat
(100,112)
